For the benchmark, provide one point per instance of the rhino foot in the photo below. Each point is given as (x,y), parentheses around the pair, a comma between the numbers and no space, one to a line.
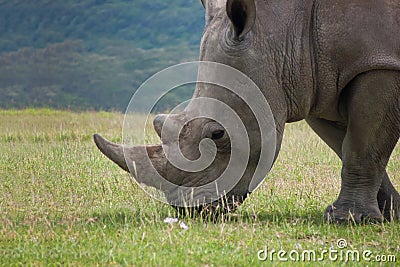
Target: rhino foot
(390,208)
(389,204)
(344,214)
(386,208)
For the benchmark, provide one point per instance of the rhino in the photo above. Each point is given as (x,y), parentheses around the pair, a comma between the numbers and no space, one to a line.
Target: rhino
(334,64)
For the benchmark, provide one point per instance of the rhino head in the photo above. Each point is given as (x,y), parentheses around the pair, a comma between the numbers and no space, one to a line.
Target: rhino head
(194,135)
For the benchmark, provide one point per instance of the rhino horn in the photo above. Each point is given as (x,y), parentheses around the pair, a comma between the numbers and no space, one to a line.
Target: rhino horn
(143,162)
(112,151)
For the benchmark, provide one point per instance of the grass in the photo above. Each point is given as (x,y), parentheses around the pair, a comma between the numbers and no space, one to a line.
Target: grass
(63,203)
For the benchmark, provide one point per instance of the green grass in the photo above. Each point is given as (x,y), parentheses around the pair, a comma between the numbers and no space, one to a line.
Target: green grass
(63,203)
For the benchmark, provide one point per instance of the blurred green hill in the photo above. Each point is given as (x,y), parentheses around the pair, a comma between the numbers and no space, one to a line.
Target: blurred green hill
(92,54)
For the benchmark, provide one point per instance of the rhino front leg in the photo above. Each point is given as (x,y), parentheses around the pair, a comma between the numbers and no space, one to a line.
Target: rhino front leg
(333,134)
(373,128)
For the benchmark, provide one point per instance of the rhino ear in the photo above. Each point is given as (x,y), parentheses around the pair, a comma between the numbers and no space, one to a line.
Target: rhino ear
(242,14)
(212,7)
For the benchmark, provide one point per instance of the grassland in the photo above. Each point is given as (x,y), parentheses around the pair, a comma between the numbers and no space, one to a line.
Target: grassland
(63,203)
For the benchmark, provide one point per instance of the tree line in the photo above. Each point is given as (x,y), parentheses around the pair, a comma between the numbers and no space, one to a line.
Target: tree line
(92,54)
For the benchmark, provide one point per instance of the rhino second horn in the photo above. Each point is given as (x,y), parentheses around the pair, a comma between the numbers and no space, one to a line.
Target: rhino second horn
(158,123)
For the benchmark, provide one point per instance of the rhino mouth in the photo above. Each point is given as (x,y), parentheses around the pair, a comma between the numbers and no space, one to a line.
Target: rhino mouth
(214,210)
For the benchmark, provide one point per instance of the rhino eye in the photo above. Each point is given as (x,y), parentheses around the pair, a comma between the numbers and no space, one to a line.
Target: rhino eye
(218,134)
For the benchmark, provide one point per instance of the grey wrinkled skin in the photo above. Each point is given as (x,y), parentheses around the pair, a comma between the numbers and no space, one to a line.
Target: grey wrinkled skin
(333,63)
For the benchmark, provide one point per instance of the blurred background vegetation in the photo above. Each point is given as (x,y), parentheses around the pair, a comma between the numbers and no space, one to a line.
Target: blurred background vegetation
(93,54)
